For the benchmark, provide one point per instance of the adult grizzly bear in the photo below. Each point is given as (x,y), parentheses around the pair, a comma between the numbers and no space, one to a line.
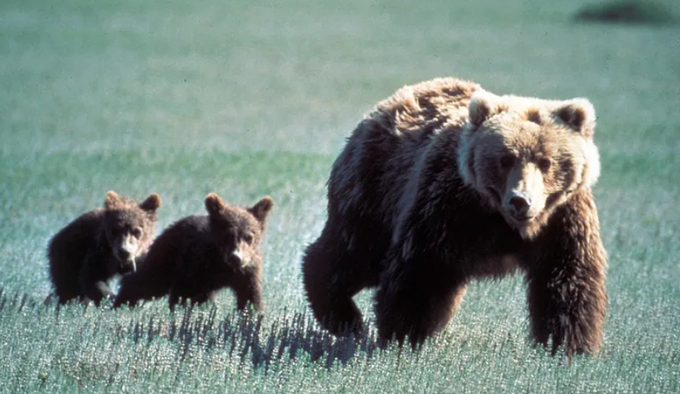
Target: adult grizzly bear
(100,244)
(199,255)
(444,182)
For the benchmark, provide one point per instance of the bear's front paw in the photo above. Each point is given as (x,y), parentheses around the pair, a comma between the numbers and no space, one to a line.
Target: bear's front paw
(573,337)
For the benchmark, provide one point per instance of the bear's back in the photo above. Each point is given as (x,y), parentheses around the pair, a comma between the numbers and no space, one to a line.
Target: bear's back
(185,241)
(370,175)
(69,247)
(425,106)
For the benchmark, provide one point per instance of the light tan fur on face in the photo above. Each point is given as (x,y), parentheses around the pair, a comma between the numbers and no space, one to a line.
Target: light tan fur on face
(528,133)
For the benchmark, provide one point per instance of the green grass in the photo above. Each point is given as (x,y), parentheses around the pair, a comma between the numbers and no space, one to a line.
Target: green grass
(250,99)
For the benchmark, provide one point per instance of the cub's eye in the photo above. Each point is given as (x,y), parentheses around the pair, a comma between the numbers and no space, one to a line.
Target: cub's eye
(507,161)
(544,164)
(248,238)
(136,232)
(229,239)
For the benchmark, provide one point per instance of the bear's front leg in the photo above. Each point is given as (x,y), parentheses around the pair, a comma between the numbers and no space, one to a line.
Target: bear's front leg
(248,288)
(566,294)
(416,298)
(93,284)
(96,290)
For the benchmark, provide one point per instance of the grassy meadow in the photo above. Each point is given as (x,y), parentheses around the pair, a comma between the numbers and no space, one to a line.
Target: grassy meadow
(251,98)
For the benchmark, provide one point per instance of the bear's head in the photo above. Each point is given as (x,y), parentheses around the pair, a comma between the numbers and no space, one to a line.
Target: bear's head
(526,156)
(128,228)
(237,231)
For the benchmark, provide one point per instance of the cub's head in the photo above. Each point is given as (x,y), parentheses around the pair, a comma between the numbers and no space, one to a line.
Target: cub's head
(129,228)
(526,156)
(237,231)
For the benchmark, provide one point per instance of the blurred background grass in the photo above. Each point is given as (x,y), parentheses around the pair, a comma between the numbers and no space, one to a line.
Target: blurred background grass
(246,99)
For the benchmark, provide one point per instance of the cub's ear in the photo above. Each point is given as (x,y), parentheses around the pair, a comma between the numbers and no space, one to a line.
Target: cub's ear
(152,203)
(112,200)
(214,204)
(578,114)
(482,106)
(262,208)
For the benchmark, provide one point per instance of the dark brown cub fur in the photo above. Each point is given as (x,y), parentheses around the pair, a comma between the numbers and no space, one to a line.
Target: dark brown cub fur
(100,244)
(198,255)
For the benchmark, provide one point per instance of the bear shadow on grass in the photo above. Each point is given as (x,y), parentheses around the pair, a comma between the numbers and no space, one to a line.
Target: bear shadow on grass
(252,339)
(244,335)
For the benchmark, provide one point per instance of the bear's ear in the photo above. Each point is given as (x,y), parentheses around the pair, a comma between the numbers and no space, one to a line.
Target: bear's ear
(578,114)
(482,106)
(112,200)
(262,208)
(151,204)
(214,204)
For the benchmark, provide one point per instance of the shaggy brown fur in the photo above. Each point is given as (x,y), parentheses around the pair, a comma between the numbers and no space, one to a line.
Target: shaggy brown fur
(443,183)
(100,244)
(198,255)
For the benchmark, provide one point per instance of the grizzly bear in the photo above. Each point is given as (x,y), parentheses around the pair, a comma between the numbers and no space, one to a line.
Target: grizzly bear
(199,255)
(100,244)
(443,183)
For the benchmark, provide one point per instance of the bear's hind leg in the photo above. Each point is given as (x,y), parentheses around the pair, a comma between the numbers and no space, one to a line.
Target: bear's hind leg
(331,278)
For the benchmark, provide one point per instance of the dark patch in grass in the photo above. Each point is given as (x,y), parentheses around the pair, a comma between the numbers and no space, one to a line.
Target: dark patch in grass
(625,12)
(245,338)
(291,336)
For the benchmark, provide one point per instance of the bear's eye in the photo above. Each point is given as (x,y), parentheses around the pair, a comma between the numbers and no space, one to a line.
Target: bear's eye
(136,232)
(544,164)
(230,236)
(507,161)
(248,238)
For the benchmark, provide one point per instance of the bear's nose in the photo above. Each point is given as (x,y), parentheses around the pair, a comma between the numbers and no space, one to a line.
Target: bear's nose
(236,257)
(124,254)
(519,206)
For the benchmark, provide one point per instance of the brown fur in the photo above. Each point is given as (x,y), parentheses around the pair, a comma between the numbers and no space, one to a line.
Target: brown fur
(198,255)
(443,183)
(100,244)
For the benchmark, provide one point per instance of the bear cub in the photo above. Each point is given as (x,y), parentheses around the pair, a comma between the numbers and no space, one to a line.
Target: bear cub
(199,255)
(100,244)
(444,183)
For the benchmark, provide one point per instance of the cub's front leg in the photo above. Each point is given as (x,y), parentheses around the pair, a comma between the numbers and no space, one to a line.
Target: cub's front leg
(93,280)
(248,289)
(95,289)
(566,284)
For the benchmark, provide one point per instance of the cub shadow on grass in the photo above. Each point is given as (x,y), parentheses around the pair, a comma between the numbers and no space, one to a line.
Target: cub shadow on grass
(18,301)
(248,339)
(244,336)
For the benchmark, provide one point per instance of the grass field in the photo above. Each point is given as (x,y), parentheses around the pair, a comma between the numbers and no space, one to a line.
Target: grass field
(253,98)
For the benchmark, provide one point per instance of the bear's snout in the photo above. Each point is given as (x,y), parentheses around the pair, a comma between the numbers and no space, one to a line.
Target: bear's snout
(518,206)
(126,252)
(523,199)
(236,257)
